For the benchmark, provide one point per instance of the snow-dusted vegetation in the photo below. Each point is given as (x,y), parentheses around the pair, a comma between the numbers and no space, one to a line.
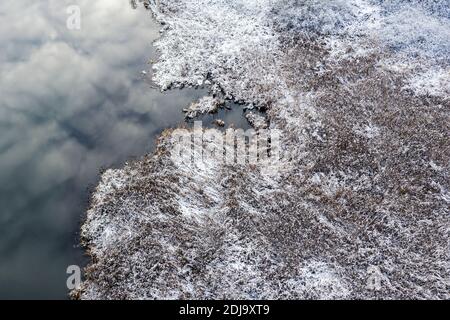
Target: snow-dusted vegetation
(359,205)
(204,105)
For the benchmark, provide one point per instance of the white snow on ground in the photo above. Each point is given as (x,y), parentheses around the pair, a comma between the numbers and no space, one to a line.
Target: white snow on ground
(434,82)
(359,90)
(257,121)
(204,105)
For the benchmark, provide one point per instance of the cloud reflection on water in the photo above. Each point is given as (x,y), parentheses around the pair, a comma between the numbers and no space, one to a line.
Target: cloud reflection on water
(71,103)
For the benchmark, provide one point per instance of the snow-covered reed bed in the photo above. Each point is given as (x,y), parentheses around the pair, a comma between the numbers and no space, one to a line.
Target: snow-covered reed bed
(358,206)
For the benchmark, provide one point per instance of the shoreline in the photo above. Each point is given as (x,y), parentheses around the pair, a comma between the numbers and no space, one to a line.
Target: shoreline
(362,193)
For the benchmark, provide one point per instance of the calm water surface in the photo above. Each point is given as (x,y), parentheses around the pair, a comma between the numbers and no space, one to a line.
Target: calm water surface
(71,103)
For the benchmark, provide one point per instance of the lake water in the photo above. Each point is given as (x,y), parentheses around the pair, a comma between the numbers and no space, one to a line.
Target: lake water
(71,103)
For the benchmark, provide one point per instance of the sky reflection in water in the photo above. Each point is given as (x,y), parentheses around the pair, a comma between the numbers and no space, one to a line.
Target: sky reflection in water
(71,102)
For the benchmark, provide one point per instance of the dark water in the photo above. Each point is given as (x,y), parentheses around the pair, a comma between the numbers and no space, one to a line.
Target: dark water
(71,102)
